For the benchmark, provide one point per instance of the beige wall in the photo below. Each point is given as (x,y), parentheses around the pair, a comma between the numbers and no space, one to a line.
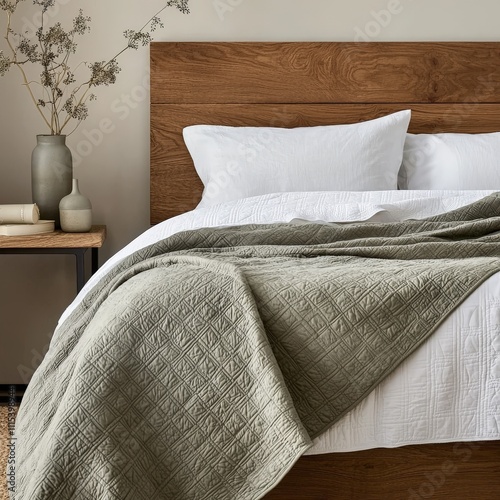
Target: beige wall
(113,169)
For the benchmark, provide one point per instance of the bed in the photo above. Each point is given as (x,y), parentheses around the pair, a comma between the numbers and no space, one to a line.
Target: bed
(449,87)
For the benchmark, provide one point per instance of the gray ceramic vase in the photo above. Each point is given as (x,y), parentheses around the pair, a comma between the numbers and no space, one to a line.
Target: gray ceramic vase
(75,211)
(51,174)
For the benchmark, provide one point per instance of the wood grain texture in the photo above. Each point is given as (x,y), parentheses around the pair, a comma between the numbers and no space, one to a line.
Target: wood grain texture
(57,239)
(320,72)
(448,471)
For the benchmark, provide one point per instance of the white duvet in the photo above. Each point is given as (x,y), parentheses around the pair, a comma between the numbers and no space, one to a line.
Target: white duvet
(449,389)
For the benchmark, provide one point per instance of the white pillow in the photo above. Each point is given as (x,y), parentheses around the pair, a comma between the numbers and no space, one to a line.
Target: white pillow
(239,162)
(451,161)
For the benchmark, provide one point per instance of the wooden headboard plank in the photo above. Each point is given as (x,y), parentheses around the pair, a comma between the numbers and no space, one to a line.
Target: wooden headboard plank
(319,72)
(450,87)
(175,186)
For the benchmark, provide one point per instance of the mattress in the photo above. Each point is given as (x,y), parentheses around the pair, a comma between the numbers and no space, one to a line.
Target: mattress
(449,389)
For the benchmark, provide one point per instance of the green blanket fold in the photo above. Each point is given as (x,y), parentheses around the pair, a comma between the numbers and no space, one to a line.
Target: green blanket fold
(202,366)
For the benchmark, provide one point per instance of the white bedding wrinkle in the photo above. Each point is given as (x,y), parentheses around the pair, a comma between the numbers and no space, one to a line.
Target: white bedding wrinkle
(449,389)
(239,162)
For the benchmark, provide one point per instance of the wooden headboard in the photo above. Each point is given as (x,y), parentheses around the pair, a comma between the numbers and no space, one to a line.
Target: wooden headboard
(450,87)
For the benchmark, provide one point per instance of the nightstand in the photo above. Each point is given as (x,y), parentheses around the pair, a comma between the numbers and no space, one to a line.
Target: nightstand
(59,242)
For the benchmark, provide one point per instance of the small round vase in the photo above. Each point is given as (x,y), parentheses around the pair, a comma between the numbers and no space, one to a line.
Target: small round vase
(51,174)
(75,211)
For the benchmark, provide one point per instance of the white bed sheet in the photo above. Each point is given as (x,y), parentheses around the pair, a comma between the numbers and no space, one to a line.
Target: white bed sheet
(449,389)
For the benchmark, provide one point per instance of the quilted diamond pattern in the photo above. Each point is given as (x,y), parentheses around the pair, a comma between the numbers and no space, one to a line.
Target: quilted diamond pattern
(201,366)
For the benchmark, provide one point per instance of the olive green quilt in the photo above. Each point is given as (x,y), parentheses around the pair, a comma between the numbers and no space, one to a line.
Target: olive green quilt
(202,366)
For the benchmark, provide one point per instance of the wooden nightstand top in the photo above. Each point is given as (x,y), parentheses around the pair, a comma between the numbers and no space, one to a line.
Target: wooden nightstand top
(57,239)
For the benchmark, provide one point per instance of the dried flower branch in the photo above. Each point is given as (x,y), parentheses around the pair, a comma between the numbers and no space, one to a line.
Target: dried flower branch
(62,100)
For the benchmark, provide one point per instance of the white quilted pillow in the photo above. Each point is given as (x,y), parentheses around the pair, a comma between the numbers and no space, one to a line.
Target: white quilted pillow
(239,162)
